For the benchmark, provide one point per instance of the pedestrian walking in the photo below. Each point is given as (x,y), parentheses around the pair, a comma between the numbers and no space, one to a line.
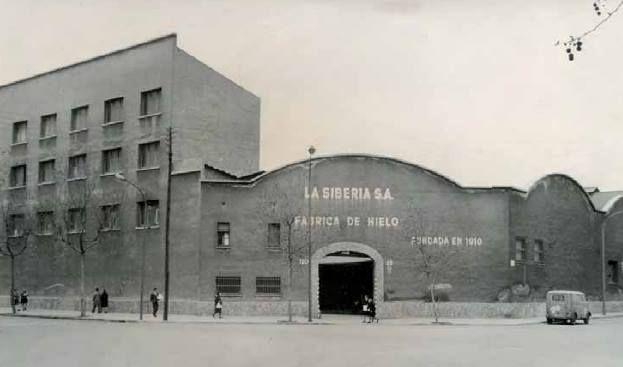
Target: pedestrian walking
(154,297)
(372,310)
(14,299)
(24,299)
(104,300)
(218,306)
(97,301)
(365,311)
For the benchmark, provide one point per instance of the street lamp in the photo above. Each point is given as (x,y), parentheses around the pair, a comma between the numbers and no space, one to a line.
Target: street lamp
(603,259)
(311,150)
(122,178)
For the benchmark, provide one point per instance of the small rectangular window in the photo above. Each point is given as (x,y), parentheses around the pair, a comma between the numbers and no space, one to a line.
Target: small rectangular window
(110,217)
(48,126)
(274,235)
(45,223)
(18,176)
(77,166)
(228,285)
(46,171)
(111,161)
(16,225)
(76,220)
(150,102)
(148,214)
(148,155)
(79,118)
(538,251)
(222,232)
(113,110)
(520,249)
(19,132)
(558,297)
(268,285)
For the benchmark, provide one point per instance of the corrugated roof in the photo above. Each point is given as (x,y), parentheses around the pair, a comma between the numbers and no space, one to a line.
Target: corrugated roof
(604,200)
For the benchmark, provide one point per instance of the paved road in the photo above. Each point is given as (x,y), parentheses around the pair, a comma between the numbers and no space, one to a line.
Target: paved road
(41,343)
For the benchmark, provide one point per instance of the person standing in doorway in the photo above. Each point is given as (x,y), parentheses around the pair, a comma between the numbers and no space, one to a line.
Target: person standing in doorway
(154,297)
(365,308)
(24,300)
(104,300)
(97,299)
(218,306)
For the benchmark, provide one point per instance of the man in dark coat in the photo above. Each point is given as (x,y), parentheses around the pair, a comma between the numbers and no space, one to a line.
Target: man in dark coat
(153,297)
(104,300)
(97,301)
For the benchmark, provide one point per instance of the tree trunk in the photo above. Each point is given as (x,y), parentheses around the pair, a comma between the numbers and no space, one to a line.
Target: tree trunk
(290,291)
(13,305)
(82,295)
(432,296)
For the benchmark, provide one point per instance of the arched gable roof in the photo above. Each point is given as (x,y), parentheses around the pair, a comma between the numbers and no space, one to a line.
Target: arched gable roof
(579,189)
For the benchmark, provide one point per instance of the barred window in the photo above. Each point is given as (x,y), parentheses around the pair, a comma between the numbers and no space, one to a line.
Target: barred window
(45,223)
(150,102)
(274,235)
(268,285)
(222,232)
(148,155)
(229,285)
(48,126)
(111,161)
(113,110)
(16,225)
(520,249)
(19,132)
(79,117)
(18,176)
(76,220)
(77,166)
(46,171)
(538,251)
(148,213)
(110,217)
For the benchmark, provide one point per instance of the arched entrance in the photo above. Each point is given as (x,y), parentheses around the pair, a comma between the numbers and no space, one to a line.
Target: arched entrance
(349,259)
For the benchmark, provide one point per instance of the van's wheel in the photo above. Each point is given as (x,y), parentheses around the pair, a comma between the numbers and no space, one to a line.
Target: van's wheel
(573,319)
(549,321)
(587,319)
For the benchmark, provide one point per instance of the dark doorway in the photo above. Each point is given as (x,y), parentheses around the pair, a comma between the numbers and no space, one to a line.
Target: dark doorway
(344,279)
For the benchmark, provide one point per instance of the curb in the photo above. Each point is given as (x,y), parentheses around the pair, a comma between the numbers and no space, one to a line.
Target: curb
(76,318)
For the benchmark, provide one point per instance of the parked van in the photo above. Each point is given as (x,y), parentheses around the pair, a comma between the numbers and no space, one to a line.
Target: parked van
(566,306)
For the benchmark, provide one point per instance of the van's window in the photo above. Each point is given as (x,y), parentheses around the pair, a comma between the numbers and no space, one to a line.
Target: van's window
(558,297)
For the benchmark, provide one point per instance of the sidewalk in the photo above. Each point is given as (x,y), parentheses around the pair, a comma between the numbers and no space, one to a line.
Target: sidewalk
(326,320)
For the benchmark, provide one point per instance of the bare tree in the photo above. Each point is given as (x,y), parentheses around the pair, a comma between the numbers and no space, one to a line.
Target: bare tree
(285,210)
(78,222)
(601,9)
(17,227)
(434,254)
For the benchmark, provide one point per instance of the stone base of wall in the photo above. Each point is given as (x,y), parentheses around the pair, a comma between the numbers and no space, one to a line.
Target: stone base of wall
(395,309)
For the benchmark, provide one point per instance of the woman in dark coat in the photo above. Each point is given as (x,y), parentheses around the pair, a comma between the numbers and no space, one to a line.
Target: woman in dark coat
(218,306)
(24,300)
(104,300)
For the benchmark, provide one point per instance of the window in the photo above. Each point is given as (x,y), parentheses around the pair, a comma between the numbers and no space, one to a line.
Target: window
(75,220)
(150,102)
(48,126)
(19,132)
(222,232)
(110,217)
(274,235)
(45,223)
(520,249)
(79,118)
(46,171)
(229,285)
(268,285)
(111,161)
(148,155)
(18,176)
(558,297)
(113,110)
(77,166)
(148,214)
(16,225)
(538,251)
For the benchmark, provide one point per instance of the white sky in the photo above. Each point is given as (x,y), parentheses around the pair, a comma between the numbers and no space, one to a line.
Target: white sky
(475,90)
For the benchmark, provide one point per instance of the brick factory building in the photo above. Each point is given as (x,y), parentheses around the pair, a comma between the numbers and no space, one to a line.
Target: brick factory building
(367,217)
